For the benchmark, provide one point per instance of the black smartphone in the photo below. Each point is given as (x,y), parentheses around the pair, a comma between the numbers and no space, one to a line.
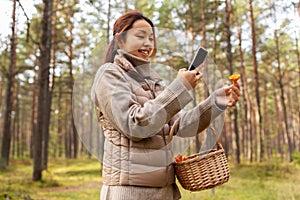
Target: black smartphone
(198,58)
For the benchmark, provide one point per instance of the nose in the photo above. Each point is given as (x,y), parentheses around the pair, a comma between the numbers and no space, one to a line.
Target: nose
(148,43)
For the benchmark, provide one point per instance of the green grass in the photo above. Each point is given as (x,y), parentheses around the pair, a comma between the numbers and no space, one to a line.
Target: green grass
(266,181)
(81,179)
(64,180)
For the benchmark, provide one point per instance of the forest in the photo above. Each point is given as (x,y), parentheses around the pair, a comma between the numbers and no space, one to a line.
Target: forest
(48,60)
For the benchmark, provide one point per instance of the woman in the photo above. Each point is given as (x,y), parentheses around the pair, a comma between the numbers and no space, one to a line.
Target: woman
(136,113)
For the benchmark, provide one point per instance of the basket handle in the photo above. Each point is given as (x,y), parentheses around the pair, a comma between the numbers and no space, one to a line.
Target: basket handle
(218,143)
(172,131)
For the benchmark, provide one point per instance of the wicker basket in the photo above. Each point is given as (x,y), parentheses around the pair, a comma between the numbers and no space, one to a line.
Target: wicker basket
(204,170)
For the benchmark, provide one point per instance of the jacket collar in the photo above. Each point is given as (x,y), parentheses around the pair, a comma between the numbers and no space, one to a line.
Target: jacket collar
(135,64)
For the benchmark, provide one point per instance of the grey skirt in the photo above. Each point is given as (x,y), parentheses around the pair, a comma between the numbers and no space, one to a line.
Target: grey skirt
(139,193)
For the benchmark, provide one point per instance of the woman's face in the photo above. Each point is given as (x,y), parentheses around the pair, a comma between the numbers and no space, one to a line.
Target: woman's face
(139,40)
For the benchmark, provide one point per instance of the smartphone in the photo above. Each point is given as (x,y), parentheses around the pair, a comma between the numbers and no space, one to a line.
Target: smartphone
(198,58)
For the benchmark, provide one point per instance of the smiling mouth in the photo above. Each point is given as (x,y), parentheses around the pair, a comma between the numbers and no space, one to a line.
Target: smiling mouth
(144,52)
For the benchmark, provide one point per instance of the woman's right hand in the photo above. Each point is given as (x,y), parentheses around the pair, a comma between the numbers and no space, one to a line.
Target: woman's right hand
(189,78)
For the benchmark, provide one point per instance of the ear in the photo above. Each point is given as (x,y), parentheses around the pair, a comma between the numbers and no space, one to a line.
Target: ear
(119,40)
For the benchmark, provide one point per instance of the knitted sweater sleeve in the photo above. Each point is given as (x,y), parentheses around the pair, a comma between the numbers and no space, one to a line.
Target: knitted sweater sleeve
(120,106)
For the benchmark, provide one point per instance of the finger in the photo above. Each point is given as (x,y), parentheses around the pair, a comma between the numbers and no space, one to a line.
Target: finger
(235,97)
(232,89)
(231,103)
(199,68)
(227,90)
(237,85)
(233,94)
(194,72)
(199,76)
(181,71)
(236,90)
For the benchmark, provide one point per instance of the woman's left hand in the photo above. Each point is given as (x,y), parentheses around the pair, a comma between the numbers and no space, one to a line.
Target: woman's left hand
(228,96)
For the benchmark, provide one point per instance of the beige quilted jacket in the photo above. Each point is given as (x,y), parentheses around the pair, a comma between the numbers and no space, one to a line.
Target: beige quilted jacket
(136,113)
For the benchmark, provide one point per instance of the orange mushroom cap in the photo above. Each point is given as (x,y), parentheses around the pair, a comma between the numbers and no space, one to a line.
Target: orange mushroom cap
(234,78)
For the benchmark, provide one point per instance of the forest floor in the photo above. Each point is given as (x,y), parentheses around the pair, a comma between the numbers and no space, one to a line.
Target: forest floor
(81,179)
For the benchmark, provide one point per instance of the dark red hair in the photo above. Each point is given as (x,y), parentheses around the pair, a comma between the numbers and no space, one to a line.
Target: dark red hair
(123,24)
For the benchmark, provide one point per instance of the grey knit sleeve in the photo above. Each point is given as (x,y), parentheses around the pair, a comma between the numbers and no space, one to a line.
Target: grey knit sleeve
(119,105)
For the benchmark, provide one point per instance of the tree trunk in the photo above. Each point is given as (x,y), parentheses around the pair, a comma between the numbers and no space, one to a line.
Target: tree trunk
(203,24)
(280,138)
(73,132)
(256,83)
(50,85)
(267,124)
(228,12)
(108,22)
(282,100)
(42,129)
(68,144)
(2,81)
(24,132)
(246,120)
(60,123)
(33,111)
(16,124)
(215,31)
(298,88)
(290,108)
(5,149)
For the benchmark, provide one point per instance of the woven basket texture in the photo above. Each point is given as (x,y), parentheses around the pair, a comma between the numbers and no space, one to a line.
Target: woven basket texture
(204,170)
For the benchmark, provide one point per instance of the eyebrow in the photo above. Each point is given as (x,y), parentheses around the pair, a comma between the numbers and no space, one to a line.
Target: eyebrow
(145,32)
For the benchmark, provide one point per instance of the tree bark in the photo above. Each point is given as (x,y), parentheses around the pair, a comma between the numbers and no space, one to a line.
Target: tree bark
(280,132)
(108,21)
(73,132)
(60,134)
(282,100)
(246,121)
(16,124)
(228,12)
(6,140)
(256,83)
(266,118)
(42,129)
(51,84)
(33,111)
(298,88)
